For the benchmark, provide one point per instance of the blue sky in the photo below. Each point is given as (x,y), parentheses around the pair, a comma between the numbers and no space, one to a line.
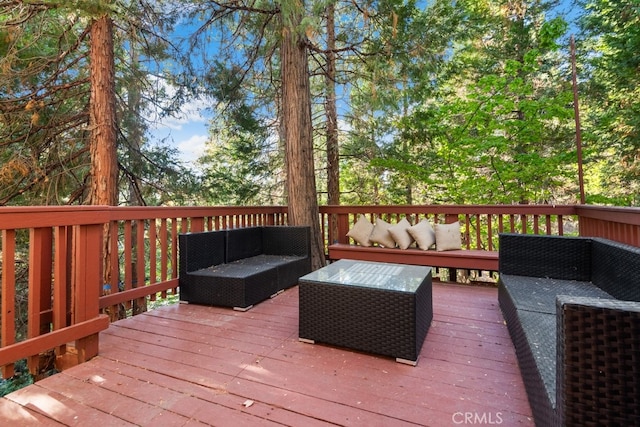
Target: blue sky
(186,132)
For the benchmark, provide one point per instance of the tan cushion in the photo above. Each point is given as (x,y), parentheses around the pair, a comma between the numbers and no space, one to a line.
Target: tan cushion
(381,235)
(423,234)
(361,231)
(400,233)
(448,237)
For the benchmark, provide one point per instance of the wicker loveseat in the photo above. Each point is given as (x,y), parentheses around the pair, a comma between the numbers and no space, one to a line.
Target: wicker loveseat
(243,266)
(572,309)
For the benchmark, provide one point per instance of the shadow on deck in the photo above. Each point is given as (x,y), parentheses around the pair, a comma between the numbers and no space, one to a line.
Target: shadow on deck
(196,365)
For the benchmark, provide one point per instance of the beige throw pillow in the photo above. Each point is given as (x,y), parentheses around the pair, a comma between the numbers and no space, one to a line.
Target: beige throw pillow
(448,237)
(361,231)
(423,234)
(381,235)
(400,233)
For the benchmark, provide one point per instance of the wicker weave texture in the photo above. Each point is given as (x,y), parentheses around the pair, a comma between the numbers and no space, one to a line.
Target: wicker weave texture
(231,267)
(230,286)
(616,269)
(599,361)
(289,240)
(200,250)
(292,242)
(559,257)
(590,375)
(539,293)
(242,243)
(289,267)
(379,321)
(539,384)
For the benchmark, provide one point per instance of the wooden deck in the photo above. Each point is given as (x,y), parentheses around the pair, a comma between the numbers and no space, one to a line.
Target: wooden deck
(194,365)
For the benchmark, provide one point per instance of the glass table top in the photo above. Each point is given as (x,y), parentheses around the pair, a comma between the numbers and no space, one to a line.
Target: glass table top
(395,277)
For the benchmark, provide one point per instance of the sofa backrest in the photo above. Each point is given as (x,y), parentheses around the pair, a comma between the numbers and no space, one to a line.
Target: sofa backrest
(200,250)
(558,257)
(616,269)
(243,243)
(286,240)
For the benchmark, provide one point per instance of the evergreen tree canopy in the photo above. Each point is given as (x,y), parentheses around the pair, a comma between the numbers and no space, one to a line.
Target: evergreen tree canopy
(425,102)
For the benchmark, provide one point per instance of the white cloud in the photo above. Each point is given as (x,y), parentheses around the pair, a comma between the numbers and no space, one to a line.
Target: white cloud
(186,130)
(192,148)
(191,112)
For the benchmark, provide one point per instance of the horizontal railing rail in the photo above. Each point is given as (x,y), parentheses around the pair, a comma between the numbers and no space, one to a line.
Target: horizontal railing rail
(68,270)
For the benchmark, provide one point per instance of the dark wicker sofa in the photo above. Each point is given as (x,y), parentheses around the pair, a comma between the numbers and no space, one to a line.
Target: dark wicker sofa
(243,266)
(573,312)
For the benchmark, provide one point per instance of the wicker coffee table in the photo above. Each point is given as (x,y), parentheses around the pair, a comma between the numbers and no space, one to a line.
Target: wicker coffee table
(375,307)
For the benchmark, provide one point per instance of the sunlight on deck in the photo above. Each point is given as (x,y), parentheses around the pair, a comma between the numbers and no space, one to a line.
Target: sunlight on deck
(170,366)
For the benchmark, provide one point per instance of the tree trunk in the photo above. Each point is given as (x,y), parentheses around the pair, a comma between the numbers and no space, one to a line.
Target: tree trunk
(333,153)
(298,134)
(102,144)
(104,164)
(333,150)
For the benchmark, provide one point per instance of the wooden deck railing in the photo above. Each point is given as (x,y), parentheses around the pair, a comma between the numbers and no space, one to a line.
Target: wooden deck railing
(480,225)
(145,246)
(615,223)
(54,263)
(54,259)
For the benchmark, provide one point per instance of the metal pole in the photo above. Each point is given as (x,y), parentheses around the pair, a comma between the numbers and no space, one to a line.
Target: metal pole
(576,109)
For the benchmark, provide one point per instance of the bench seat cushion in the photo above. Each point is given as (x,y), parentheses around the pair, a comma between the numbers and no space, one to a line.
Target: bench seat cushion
(538,353)
(539,294)
(268,260)
(239,269)
(233,285)
(529,307)
(289,267)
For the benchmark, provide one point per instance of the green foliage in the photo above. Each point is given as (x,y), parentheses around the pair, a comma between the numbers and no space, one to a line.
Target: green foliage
(492,124)
(464,101)
(238,167)
(612,89)
(22,378)
(43,74)
(408,47)
(44,126)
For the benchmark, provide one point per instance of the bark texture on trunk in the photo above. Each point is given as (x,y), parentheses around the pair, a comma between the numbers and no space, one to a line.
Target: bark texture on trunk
(104,162)
(298,135)
(103,188)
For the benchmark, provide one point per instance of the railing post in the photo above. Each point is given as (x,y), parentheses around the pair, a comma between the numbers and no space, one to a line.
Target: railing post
(39,304)
(87,282)
(450,219)
(197,224)
(8,299)
(61,281)
(342,227)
